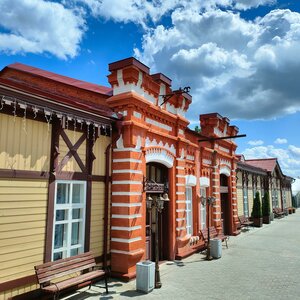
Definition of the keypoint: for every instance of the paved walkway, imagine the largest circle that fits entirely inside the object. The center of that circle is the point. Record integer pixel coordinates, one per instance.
(263, 263)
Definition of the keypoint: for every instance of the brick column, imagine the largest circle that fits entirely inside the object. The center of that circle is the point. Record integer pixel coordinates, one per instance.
(127, 211)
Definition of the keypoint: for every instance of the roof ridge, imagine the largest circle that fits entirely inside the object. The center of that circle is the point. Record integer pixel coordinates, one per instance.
(60, 78)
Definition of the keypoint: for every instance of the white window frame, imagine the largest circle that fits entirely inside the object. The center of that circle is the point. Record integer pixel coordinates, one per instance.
(245, 202)
(189, 209)
(202, 209)
(68, 207)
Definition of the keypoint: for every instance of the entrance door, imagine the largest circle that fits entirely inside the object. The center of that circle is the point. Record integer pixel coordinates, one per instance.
(225, 204)
(162, 232)
(157, 174)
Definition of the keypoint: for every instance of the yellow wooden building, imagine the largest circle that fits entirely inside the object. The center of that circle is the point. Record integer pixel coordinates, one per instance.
(55, 137)
(262, 175)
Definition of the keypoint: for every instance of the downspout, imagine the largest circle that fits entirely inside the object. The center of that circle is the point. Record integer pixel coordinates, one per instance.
(106, 205)
(106, 194)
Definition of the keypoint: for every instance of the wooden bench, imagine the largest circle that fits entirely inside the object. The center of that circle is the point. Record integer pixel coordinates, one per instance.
(245, 222)
(213, 234)
(278, 212)
(53, 277)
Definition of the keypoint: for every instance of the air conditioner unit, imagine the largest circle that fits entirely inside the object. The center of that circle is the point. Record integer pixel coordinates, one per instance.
(145, 271)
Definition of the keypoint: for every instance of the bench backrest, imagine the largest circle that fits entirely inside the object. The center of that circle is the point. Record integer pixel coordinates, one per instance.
(212, 232)
(243, 219)
(62, 267)
(277, 210)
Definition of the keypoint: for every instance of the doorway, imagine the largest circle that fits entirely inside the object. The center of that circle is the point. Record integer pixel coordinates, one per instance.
(225, 204)
(156, 182)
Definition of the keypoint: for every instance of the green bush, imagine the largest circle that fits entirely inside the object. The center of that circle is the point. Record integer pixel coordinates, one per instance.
(256, 210)
(266, 205)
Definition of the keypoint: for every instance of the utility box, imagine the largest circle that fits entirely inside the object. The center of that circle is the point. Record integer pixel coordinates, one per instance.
(216, 248)
(145, 272)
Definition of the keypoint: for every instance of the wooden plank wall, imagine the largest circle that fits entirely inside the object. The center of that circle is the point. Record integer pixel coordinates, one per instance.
(24, 147)
(99, 151)
(22, 227)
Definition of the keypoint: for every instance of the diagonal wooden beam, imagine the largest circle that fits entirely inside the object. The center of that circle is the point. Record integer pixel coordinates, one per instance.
(72, 152)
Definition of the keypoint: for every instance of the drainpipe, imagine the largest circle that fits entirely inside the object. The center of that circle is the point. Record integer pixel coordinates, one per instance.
(106, 205)
(106, 193)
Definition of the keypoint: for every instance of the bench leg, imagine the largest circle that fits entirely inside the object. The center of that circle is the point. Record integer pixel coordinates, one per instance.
(105, 278)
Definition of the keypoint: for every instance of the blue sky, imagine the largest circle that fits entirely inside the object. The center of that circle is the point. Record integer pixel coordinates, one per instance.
(241, 58)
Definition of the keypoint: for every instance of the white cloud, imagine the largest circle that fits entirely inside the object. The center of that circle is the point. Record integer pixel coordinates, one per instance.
(296, 186)
(280, 141)
(142, 12)
(288, 158)
(242, 69)
(38, 26)
(256, 142)
(295, 150)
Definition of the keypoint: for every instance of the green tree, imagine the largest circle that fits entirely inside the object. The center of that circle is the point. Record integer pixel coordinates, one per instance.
(256, 210)
(197, 129)
(266, 204)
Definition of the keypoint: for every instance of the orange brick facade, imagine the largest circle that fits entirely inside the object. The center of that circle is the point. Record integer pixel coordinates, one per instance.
(156, 133)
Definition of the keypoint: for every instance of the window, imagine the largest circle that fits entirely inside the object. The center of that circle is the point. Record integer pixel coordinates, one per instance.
(245, 202)
(189, 210)
(69, 219)
(202, 209)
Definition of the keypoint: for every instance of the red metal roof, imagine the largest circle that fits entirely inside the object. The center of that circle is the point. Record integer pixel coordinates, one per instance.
(63, 79)
(266, 163)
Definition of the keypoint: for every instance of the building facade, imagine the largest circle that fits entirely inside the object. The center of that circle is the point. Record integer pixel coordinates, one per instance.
(78, 161)
(155, 146)
(55, 134)
(261, 175)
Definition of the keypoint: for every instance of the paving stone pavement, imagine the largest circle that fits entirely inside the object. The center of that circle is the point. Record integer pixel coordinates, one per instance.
(262, 263)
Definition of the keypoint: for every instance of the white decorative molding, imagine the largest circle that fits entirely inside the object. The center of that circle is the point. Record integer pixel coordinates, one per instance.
(126, 193)
(124, 87)
(162, 91)
(171, 108)
(190, 157)
(153, 143)
(204, 182)
(190, 180)
(127, 241)
(225, 162)
(225, 170)
(224, 149)
(122, 228)
(158, 124)
(120, 142)
(124, 113)
(159, 155)
(182, 154)
(121, 204)
(116, 160)
(180, 131)
(138, 143)
(135, 216)
(127, 171)
(218, 132)
(126, 182)
(206, 161)
(137, 114)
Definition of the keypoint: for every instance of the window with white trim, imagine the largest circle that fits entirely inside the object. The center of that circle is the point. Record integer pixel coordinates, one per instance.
(245, 202)
(189, 210)
(69, 219)
(202, 209)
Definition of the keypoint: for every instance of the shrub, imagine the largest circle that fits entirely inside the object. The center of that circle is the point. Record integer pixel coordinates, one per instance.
(256, 210)
(266, 205)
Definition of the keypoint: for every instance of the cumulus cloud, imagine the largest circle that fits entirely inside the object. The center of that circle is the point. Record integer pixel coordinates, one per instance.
(256, 142)
(280, 141)
(37, 26)
(288, 158)
(243, 69)
(143, 12)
